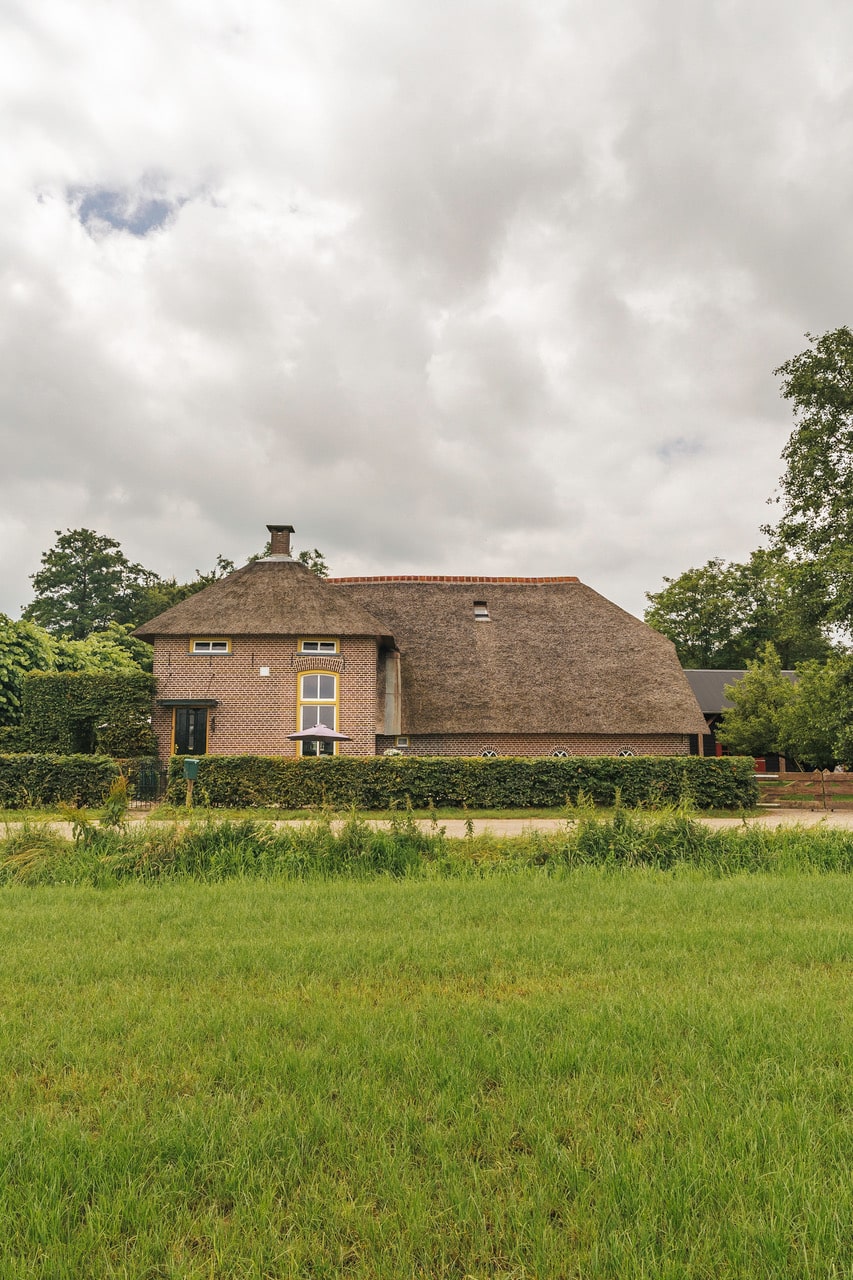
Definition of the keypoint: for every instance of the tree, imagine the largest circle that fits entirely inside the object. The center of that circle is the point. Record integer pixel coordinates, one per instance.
(752, 725)
(722, 614)
(112, 650)
(315, 561)
(161, 594)
(817, 488)
(23, 647)
(85, 583)
(814, 723)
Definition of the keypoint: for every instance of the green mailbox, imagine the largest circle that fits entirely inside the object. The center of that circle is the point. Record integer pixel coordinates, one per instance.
(190, 770)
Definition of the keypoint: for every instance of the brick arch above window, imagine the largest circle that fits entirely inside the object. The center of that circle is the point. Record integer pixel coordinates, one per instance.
(318, 662)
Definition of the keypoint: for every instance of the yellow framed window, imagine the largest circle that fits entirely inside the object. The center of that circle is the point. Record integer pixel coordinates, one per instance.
(318, 704)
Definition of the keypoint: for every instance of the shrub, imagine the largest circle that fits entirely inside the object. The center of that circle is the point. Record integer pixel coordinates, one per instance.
(379, 782)
(27, 781)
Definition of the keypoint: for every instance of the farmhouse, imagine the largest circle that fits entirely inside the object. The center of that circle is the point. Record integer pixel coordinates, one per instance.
(422, 665)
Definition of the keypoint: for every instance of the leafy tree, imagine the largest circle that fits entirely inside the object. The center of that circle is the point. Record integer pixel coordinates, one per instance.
(161, 594)
(106, 651)
(814, 723)
(315, 561)
(23, 647)
(85, 583)
(721, 614)
(817, 488)
(752, 726)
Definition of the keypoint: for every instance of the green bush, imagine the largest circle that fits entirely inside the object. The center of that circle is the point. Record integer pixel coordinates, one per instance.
(89, 711)
(28, 781)
(381, 782)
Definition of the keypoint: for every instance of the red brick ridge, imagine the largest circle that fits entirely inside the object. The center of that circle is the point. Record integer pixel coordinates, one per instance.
(431, 577)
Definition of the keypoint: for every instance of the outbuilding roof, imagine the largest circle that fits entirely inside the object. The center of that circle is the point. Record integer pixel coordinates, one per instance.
(709, 687)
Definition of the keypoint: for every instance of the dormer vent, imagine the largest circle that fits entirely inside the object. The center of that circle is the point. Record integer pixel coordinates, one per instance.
(280, 541)
(481, 611)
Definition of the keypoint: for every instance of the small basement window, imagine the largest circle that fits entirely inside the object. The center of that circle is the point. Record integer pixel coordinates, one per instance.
(402, 742)
(318, 646)
(488, 754)
(560, 754)
(481, 611)
(209, 645)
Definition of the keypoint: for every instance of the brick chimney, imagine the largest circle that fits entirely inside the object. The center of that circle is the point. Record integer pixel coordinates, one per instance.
(280, 541)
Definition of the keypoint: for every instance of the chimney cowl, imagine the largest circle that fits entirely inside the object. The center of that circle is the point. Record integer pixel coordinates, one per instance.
(279, 541)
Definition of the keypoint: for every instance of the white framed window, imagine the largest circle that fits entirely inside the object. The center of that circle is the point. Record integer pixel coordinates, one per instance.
(210, 644)
(402, 741)
(481, 611)
(318, 645)
(560, 754)
(488, 754)
(626, 751)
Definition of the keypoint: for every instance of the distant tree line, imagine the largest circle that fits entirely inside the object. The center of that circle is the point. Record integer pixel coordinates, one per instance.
(790, 605)
(87, 600)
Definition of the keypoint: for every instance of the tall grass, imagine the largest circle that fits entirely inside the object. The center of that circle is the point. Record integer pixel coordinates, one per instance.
(209, 850)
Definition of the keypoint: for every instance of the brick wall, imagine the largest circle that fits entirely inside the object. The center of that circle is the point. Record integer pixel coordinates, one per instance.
(540, 744)
(255, 713)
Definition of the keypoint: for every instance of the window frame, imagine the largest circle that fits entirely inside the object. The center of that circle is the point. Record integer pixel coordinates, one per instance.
(318, 640)
(210, 641)
(302, 702)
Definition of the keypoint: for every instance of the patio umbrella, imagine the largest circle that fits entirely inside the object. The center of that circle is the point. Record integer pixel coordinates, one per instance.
(319, 733)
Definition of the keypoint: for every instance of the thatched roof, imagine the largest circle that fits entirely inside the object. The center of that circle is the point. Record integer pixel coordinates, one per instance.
(555, 657)
(269, 597)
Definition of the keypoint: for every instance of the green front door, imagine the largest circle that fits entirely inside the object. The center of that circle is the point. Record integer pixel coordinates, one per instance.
(190, 731)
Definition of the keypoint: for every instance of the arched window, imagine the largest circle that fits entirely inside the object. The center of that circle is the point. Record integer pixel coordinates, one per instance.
(318, 704)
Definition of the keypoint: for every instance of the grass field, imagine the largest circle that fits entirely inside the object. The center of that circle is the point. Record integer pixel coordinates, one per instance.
(602, 1074)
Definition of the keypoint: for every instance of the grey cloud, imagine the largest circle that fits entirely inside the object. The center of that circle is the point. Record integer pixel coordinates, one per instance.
(457, 287)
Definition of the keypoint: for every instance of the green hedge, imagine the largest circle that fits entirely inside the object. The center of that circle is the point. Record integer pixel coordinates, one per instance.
(380, 782)
(28, 781)
(13, 738)
(88, 711)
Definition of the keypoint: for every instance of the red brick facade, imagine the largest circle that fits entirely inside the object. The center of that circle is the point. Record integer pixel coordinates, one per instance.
(538, 744)
(254, 713)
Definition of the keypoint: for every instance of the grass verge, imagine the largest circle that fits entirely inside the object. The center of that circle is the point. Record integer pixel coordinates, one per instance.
(212, 849)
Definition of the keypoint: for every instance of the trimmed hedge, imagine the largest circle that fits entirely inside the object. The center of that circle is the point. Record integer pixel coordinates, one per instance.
(13, 738)
(88, 711)
(380, 782)
(28, 781)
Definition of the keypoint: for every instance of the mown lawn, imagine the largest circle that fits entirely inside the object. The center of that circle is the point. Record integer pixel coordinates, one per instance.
(603, 1074)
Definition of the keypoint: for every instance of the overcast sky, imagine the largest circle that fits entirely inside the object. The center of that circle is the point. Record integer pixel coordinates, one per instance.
(452, 287)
